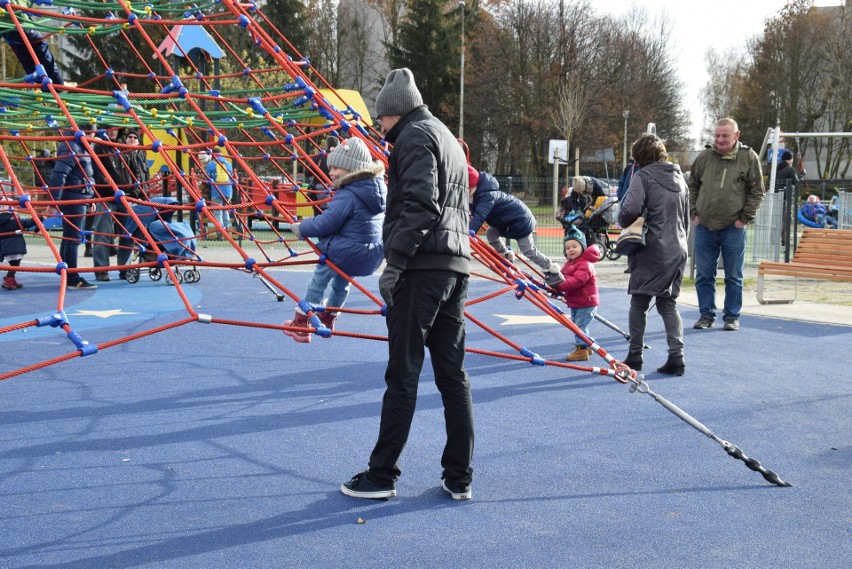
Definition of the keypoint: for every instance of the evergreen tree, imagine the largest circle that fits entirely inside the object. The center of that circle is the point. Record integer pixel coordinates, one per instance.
(429, 45)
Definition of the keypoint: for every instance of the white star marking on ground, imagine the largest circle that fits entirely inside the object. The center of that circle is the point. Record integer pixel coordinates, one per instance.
(103, 313)
(518, 319)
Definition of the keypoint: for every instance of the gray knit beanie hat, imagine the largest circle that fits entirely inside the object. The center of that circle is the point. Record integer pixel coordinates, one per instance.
(399, 95)
(352, 156)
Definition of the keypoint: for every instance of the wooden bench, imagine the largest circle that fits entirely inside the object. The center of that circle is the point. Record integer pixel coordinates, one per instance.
(823, 254)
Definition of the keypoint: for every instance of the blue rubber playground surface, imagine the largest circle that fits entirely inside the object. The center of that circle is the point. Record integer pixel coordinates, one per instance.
(212, 445)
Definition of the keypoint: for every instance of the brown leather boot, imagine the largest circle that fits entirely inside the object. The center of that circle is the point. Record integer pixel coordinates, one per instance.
(580, 354)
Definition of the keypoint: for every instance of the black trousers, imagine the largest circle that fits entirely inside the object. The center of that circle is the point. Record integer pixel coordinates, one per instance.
(427, 312)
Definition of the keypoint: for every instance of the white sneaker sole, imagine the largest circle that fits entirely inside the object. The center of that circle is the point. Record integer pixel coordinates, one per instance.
(458, 495)
(378, 495)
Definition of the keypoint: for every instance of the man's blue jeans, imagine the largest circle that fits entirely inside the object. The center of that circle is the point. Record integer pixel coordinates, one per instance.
(323, 274)
(709, 245)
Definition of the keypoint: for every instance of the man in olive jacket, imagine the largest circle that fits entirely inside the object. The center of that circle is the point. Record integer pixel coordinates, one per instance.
(725, 192)
(427, 249)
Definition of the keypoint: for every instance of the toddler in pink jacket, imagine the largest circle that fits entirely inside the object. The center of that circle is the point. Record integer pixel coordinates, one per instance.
(580, 288)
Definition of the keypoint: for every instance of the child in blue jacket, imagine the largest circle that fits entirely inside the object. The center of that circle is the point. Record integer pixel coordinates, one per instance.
(349, 231)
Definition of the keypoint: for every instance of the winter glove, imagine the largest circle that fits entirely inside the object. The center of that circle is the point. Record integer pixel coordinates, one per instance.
(390, 276)
(295, 229)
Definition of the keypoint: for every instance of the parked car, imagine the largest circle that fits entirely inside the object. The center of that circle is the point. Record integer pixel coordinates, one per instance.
(609, 185)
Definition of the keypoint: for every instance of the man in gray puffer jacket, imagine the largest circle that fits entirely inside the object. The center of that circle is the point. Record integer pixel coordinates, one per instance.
(424, 284)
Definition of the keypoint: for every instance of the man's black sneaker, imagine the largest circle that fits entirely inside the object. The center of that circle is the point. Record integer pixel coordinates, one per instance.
(361, 487)
(82, 284)
(458, 490)
(703, 322)
(732, 324)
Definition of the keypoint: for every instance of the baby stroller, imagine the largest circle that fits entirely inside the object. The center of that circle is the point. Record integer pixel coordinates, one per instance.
(595, 227)
(174, 238)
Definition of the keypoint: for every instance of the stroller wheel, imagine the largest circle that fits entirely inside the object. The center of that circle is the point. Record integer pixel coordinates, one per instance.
(178, 276)
(597, 242)
(192, 276)
(608, 247)
(155, 273)
(610, 251)
(132, 275)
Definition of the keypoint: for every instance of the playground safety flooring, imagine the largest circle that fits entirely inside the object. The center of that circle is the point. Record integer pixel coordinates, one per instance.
(224, 446)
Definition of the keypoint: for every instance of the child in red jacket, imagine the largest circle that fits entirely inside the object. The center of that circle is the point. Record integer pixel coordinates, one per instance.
(580, 288)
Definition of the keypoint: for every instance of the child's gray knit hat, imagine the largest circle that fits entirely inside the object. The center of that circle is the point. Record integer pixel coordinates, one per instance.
(352, 156)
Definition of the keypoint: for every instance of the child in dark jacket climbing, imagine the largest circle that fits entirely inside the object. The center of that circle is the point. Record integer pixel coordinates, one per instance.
(507, 218)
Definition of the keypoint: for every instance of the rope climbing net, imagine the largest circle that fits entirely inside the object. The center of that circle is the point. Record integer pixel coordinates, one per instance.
(269, 119)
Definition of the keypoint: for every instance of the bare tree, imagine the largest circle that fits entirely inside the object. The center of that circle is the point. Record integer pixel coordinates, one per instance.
(795, 77)
(836, 88)
(390, 13)
(322, 48)
(719, 95)
(362, 56)
(571, 102)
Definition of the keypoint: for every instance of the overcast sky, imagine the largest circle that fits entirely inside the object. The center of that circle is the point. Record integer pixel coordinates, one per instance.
(698, 25)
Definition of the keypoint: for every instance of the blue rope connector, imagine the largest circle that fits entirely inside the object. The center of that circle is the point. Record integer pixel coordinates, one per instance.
(86, 349)
(257, 105)
(121, 99)
(537, 360)
(162, 258)
(322, 331)
(250, 263)
(54, 320)
(522, 287)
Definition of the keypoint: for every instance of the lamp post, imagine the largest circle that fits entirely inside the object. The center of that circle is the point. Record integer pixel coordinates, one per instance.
(461, 76)
(625, 114)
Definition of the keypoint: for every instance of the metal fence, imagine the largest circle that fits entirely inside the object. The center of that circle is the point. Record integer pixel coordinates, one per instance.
(776, 225)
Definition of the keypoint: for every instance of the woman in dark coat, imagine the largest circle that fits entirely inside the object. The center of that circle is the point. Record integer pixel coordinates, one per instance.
(13, 247)
(657, 269)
